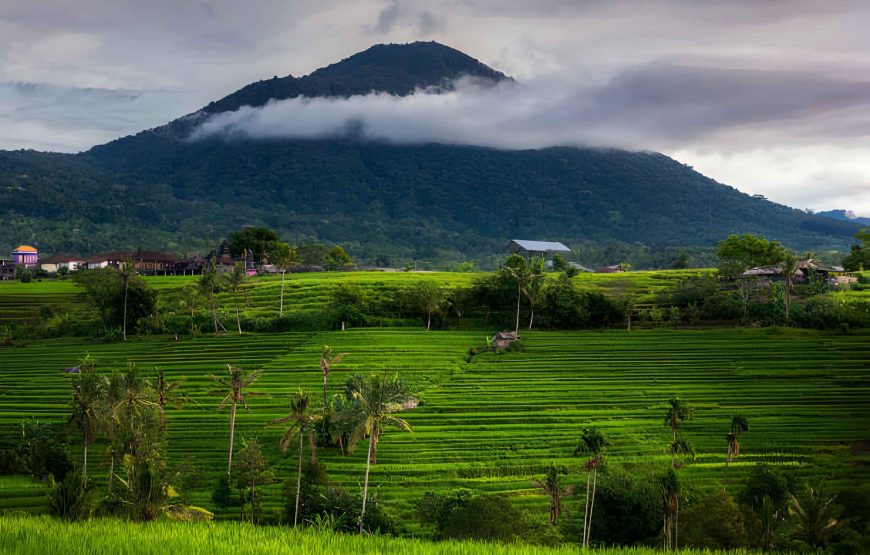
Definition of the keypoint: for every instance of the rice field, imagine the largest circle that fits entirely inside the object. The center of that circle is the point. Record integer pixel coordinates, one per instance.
(495, 422)
(28, 535)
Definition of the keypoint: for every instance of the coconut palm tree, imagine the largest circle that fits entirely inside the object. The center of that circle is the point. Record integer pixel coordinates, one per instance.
(88, 391)
(670, 485)
(551, 485)
(301, 420)
(678, 412)
(327, 359)
(815, 515)
(209, 285)
(739, 424)
(592, 442)
(234, 390)
(283, 256)
(379, 396)
(168, 393)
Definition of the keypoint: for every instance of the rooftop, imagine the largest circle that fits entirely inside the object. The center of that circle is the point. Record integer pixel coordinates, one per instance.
(539, 246)
(24, 248)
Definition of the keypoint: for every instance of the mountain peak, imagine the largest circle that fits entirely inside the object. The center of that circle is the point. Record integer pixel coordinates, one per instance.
(397, 69)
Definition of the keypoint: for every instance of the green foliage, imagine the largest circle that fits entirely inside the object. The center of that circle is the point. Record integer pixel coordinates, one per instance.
(767, 481)
(738, 253)
(628, 507)
(858, 258)
(70, 498)
(714, 521)
(104, 289)
(349, 305)
(337, 259)
(253, 240)
(486, 517)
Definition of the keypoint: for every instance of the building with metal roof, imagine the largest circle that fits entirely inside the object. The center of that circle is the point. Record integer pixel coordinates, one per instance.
(535, 248)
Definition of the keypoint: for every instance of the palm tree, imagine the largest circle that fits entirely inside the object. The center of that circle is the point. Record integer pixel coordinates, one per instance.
(551, 485)
(234, 389)
(88, 391)
(127, 272)
(168, 393)
(283, 256)
(739, 424)
(592, 442)
(670, 485)
(300, 421)
(379, 397)
(770, 518)
(209, 283)
(678, 412)
(816, 516)
(327, 359)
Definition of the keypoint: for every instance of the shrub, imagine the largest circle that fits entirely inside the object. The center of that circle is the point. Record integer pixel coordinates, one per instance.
(714, 521)
(69, 499)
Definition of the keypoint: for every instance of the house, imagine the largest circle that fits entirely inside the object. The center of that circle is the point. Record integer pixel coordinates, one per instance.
(26, 255)
(55, 262)
(503, 339)
(144, 262)
(774, 273)
(529, 249)
(7, 269)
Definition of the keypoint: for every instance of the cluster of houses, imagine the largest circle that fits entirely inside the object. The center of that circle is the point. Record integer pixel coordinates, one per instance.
(149, 263)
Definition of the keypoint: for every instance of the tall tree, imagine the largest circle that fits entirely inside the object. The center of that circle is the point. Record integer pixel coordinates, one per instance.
(88, 390)
(534, 286)
(327, 359)
(235, 281)
(678, 412)
(234, 386)
(254, 240)
(737, 253)
(739, 424)
(284, 257)
(168, 393)
(551, 485)
(592, 443)
(209, 285)
(815, 516)
(670, 485)
(300, 420)
(379, 396)
(127, 271)
(253, 469)
(430, 298)
(518, 269)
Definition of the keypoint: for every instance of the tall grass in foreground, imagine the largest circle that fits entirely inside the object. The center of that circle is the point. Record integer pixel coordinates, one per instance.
(29, 535)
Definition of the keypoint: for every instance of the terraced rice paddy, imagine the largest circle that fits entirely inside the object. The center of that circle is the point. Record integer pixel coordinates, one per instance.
(308, 292)
(495, 422)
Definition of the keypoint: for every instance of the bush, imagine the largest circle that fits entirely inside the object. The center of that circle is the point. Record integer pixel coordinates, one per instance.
(829, 312)
(486, 517)
(628, 507)
(714, 522)
(69, 499)
(26, 276)
(766, 480)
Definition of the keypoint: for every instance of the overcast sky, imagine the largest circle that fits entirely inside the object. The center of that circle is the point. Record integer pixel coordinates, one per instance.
(770, 96)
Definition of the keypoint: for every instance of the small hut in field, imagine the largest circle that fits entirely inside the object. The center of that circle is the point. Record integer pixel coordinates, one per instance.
(503, 339)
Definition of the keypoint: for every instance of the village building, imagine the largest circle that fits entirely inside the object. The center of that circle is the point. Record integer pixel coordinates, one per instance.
(55, 262)
(7, 269)
(144, 262)
(803, 270)
(612, 269)
(27, 256)
(535, 249)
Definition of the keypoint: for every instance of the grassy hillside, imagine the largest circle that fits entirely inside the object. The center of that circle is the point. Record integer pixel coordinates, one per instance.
(28, 536)
(495, 422)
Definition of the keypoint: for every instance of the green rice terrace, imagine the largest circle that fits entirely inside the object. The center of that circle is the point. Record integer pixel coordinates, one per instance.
(489, 422)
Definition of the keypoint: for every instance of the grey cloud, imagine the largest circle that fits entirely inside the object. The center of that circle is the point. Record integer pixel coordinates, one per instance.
(398, 14)
(656, 106)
